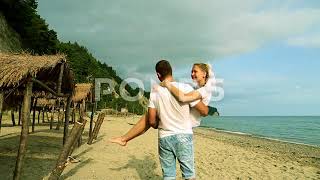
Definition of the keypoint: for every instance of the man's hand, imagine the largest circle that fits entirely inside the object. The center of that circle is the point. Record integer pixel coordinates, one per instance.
(202, 109)
(165, 83)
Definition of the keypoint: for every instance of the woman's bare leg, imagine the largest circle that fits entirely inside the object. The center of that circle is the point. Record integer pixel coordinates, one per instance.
(139, 128)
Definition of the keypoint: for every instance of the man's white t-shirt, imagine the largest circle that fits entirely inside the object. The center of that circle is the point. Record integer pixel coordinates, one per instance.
(174, 116)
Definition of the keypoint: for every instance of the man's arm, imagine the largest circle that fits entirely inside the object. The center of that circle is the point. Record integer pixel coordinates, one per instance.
(153, 121)
(202, 108)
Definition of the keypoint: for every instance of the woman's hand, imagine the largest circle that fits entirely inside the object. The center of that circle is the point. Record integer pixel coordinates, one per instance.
(165, 84)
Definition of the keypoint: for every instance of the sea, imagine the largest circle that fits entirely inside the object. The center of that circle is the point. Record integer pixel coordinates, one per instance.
(294, 129)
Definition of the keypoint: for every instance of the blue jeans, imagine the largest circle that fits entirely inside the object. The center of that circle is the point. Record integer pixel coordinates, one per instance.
(179, 147)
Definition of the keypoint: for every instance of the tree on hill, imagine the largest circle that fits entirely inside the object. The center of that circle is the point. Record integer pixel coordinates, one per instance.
(34, 32)
(85, 65)
(37, 38)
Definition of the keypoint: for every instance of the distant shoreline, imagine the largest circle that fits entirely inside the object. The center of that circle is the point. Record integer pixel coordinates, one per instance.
(256, 136)
(302, 153)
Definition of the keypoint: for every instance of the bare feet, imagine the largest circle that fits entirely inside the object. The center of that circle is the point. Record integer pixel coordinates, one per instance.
(118, 140)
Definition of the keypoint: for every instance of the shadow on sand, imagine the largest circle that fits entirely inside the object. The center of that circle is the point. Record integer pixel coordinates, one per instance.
(43, 149)
(76, 168)
(145, 167)
(42, 153)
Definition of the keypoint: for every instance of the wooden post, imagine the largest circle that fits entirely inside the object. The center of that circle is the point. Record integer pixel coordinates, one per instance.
(61, 162)
(52, 117)
(81, 118)
(78, 135)
(34, 113)
(20, 109)
(1, 107)
(60, 115)
(66, 121)
(73, 113)
(77, 143)
(39, 113)
(43, 115)
(24, 130)
(58, 121)
(96, 128)
(31, 108)
(12, 118)
(95, 133)
(60, 79)
(59, 92)
(91, 119)
(47, 115)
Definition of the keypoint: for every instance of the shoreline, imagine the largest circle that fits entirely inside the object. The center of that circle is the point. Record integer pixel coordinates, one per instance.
(304, 154)
(256, 136)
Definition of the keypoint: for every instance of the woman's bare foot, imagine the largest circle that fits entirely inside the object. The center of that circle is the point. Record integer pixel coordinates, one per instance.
(118, 140)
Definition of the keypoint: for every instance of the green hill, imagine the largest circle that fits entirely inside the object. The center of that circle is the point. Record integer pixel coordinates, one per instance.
(24, 29)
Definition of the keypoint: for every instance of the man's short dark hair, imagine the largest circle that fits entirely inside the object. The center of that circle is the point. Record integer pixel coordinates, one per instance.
(163, 67)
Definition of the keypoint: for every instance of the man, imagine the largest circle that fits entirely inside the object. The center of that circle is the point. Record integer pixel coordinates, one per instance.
(175, 125)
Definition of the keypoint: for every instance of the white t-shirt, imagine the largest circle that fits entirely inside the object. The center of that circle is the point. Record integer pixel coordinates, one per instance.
(206, 93)
(174, 116)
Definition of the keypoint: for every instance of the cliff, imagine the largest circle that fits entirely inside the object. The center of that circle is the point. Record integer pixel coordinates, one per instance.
(9, 39)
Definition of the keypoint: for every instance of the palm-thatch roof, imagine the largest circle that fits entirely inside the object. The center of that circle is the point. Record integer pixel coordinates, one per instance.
(15, 68)
(82, 92)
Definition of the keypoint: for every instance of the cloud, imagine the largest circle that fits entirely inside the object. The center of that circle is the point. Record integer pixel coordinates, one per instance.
(138, 33)
(311, 41)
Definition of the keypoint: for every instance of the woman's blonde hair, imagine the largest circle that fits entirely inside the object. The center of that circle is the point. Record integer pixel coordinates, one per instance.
(204, 67)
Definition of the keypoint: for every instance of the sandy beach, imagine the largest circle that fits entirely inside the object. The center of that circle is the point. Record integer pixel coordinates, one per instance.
(218, 155)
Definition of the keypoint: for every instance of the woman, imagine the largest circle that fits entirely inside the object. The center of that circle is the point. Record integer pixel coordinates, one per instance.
(202, 74)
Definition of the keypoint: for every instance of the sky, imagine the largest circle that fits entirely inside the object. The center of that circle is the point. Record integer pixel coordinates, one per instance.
(265, 52)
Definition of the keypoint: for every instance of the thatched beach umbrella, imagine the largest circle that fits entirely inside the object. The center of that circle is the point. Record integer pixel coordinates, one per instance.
(23, 76)
(83, 92)
(16, 68)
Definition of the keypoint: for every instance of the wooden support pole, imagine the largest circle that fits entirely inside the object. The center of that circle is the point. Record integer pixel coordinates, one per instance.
(12, 118)
(48, 89)
(39, 113)
(91, 119)
(1, 107)
(96, 128)
(62, 160)
(42, 115)
(24, 130)
(58, 121)
(47, 116)
(81, 118)
(60, 114)
(95, 133)
(34, 113)
(52, 117)
(73, 119)
(60, 78)
(20, 109)
(67, 117)
(77, 143)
